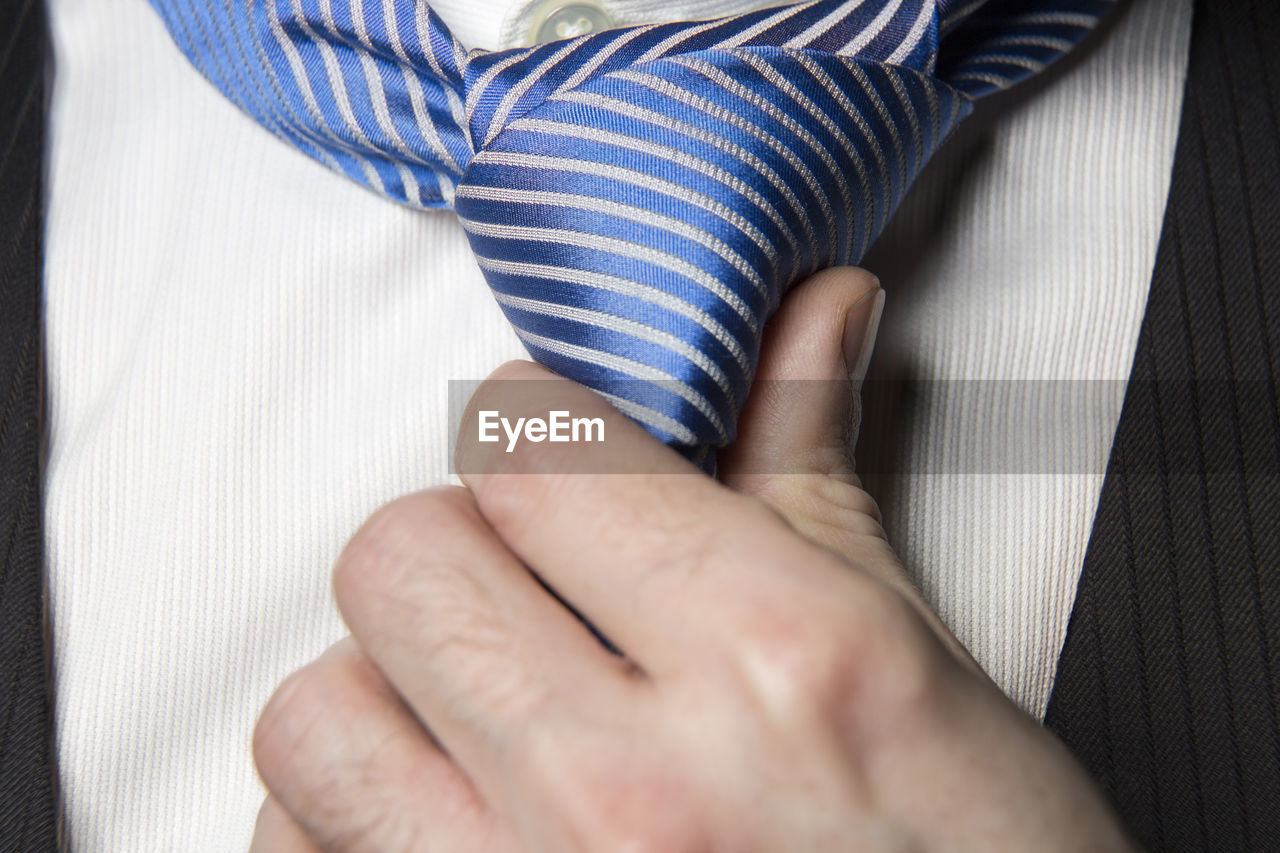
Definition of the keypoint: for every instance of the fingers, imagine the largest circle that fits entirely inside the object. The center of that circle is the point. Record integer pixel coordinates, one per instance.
(277, 832)
(338, 749)
(646, 556)
(471, 641)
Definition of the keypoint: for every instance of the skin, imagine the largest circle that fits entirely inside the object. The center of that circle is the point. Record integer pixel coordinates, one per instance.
(780, 684)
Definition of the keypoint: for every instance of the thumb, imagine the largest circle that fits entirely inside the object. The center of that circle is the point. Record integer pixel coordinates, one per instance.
(800, 422)
(797, 430)
(796, 435)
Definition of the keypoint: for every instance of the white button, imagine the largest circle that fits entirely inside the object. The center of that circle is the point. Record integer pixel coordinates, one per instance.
(562, 20)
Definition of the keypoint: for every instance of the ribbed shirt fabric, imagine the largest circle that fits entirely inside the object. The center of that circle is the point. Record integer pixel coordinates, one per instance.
(248, 354)
(1016, 277)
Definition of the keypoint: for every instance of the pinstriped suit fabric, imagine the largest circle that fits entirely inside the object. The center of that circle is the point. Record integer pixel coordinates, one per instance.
(27, 807)
(1169, 683)
(639, 199)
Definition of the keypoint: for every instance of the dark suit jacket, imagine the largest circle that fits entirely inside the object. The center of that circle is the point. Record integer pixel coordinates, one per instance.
(1168, 687)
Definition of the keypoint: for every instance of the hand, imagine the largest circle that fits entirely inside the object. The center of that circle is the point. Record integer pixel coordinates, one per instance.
(780, 685)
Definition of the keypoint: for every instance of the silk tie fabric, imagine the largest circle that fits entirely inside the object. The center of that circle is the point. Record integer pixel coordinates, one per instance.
(638, 199)
(27, 800)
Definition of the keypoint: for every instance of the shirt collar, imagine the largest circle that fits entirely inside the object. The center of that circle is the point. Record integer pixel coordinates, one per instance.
(500, 24)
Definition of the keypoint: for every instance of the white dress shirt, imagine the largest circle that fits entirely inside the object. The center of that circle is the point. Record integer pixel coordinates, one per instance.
(248, 354)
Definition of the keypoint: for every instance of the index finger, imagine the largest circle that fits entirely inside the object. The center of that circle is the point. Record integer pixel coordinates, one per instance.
(650, 550)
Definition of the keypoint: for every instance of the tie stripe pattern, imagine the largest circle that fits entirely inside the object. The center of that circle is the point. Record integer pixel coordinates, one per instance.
(757, 199)
(638, 199)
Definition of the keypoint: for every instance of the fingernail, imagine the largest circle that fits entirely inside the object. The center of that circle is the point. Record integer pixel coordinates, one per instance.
(860, 333)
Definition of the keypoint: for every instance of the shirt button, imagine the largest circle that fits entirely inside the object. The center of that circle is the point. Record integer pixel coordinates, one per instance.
(556, 21)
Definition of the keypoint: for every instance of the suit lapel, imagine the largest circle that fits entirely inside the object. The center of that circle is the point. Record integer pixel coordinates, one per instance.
(27, 809)
(1169, 679)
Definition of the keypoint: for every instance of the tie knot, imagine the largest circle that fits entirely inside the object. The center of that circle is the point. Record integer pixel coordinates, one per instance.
(639, 199)
(639, 228)
(502, 86)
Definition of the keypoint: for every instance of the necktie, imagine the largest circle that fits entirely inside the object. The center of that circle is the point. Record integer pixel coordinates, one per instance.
(27, 797)
(638, 199)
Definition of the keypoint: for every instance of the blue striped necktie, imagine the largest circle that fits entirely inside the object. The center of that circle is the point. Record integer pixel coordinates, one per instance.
(638, 199)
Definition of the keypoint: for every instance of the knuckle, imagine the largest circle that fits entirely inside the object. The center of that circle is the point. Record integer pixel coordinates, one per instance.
(527, 493)
(295, 718)
(400, 535)
(307, 756)
(510, 499)
(489, 678)
(809, 653)
(356, 828)
(521, 393)
(797, 666)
